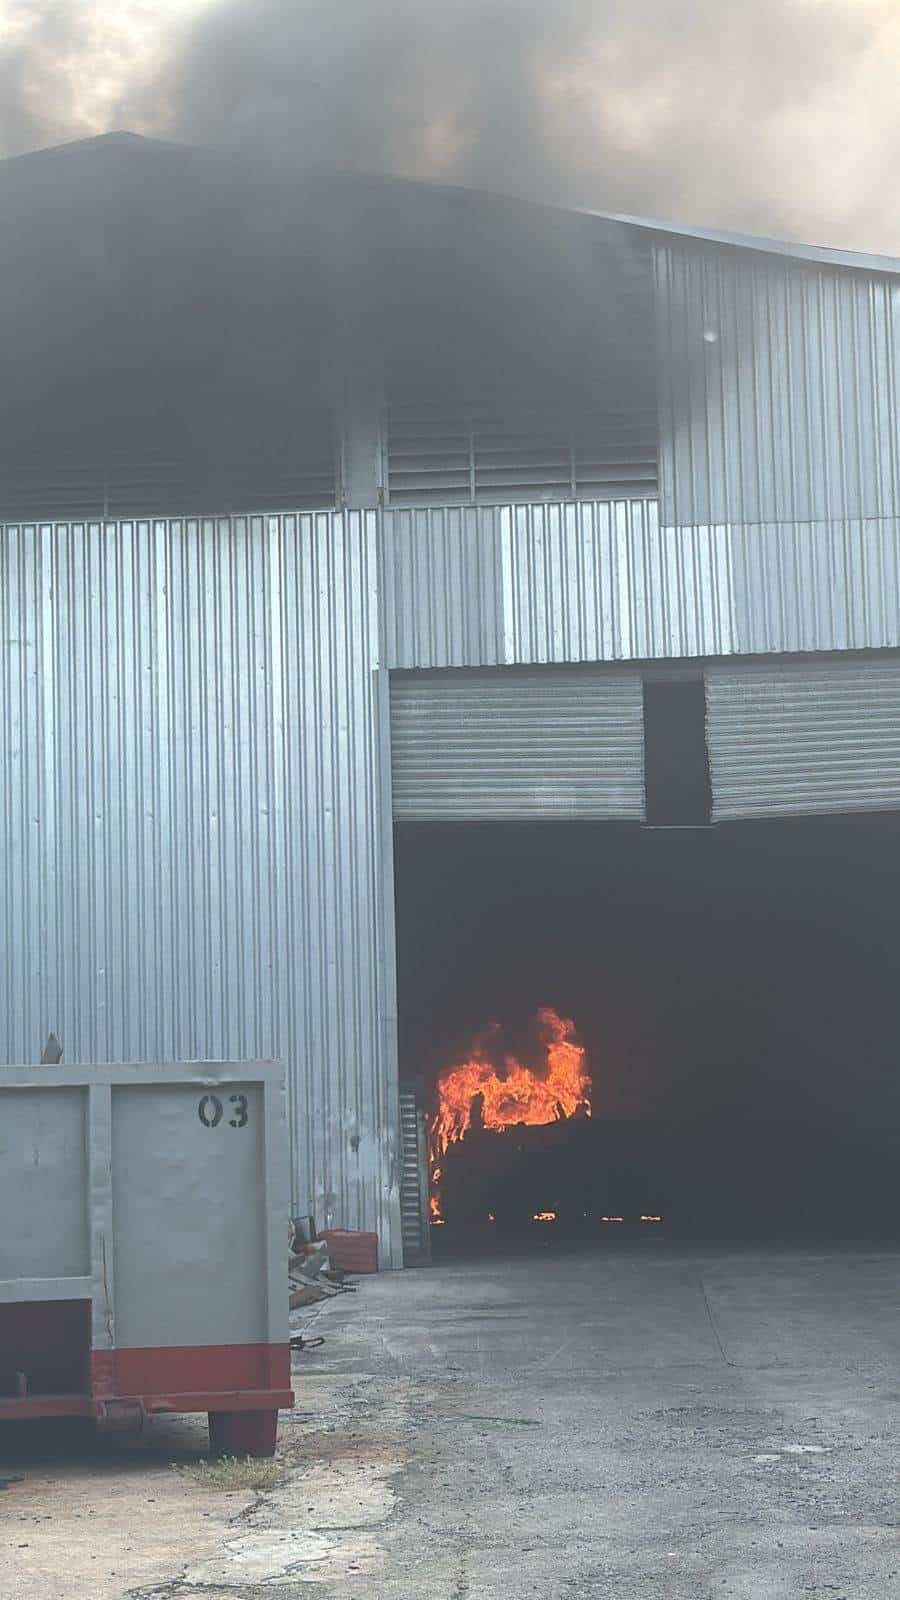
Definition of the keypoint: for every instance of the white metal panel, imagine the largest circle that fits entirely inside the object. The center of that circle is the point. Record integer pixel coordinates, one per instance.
(779, 389)
(525, 743)
(191, 758)
(799, 738)
(188, 1191)
(817, 586)
(439, 587)
(43, 1182)
(589, 581)
(504, 585)
(165, 1188)
(599, 582)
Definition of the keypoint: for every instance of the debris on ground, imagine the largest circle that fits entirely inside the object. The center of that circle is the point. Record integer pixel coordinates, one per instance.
(302, 1231)
(303, 1294)
(298, 1341)
(313, 1258)
(312, 1274)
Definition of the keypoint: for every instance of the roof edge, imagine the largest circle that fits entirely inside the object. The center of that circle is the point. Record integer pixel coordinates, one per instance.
(861, 260)
(823, 255)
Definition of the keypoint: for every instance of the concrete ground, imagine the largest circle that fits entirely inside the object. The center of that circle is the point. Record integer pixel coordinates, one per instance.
(662, 1423)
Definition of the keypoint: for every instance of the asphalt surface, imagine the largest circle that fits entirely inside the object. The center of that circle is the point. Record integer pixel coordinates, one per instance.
(652, 1422)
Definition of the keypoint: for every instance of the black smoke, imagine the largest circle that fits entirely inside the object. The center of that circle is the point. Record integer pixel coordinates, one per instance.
(780, 116)
(777, 116)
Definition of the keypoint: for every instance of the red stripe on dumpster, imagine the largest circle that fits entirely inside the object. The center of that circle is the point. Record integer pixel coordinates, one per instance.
(193, 1369)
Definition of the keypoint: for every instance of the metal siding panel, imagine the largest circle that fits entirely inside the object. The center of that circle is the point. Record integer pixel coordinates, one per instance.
(205, 1198)
(43, 1183)
(567, 582)
(778, 390)
(438, 581)
(816, 586)
(802, 738)
(112, 1159)
(21, 785)
(564, 742)
(190, 796)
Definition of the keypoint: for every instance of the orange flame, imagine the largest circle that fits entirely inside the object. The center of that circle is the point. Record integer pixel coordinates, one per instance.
(519, 1096)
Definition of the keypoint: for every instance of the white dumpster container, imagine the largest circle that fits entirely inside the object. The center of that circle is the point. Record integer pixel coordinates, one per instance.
(143, 1246)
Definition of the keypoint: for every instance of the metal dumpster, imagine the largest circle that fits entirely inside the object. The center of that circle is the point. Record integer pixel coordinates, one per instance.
(143, 1246)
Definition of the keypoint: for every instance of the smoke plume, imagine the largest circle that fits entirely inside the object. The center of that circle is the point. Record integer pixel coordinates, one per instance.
(781, 116)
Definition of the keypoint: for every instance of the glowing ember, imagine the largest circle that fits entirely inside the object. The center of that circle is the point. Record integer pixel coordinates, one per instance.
(651, 1219)
(544, 1216)
(512, 1096)
(612, 1219)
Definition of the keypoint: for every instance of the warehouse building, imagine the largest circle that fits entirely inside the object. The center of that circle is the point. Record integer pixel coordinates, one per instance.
(421, 609)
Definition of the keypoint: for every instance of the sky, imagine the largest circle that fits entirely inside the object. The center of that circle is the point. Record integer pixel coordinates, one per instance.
(767, 116)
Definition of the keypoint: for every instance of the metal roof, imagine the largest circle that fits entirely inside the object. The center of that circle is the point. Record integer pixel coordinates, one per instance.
(820, 254)
(824, 254)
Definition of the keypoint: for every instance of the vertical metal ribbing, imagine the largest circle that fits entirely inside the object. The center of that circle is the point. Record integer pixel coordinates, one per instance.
(190, 810)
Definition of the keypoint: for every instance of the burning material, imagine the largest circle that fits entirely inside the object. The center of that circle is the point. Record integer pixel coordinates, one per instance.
(544, 1216)
(512, 1094)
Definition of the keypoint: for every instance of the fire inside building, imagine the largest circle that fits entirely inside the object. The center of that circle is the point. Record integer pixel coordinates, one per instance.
(452, 646)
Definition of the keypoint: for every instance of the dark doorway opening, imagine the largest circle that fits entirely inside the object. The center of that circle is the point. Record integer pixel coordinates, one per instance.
(734, 990)
(676, 764)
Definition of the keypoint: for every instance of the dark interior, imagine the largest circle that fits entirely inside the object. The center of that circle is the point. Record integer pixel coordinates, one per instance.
(736, 989)
(45, 1348)
(676, 765)
(177, 330)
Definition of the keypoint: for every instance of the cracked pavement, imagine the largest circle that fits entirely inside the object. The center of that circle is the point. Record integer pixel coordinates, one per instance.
(676, 1424)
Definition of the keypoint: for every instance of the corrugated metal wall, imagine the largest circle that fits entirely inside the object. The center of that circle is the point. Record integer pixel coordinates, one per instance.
(195, 846)
(441, 587)
(190, 795)
(594, 581)
(801, 738)
(604, 582)
(779, 389)
(819, 586)
(504, 585)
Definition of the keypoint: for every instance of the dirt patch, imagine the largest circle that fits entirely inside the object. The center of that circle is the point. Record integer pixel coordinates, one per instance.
(158, 1521)
(102, 1520)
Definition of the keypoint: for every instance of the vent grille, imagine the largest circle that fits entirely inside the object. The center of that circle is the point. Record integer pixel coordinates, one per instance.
(147, 476)
(413, 1181)
(468, 457)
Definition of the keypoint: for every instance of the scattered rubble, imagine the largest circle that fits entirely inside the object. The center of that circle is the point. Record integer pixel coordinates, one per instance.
(311, 1275)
